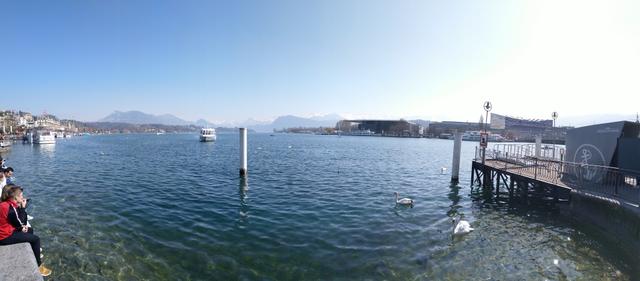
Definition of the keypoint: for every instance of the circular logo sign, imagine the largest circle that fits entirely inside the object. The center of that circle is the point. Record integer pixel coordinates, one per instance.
(588, 154)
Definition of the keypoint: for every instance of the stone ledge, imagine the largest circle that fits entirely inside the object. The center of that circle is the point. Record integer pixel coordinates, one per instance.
(18, 263)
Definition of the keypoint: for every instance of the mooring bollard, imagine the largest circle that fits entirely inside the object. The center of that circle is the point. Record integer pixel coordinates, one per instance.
(243, 151)
(455, 168)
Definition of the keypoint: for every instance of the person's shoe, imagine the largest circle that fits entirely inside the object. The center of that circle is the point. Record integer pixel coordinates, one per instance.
(44, 271)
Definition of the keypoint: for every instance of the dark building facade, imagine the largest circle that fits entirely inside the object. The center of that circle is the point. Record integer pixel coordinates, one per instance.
(438, 129)
(614, 144)
(393, 128)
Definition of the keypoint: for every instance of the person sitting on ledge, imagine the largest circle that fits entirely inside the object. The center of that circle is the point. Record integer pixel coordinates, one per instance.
(3, 179)
(11, 235)
(8, 175)
(23, 217)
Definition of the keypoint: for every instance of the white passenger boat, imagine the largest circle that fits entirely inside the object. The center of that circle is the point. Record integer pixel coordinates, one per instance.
(44, 137)
(475, 136)
(208, 134)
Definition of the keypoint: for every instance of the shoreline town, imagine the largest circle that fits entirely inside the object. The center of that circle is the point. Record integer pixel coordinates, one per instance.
(16, 125)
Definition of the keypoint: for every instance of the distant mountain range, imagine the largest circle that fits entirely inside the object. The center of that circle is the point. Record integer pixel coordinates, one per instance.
(139, 118)
(288, 121)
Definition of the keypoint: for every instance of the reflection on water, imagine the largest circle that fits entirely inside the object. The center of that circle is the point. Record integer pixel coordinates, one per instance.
(243, 189)
(47, 149)
(454, 196)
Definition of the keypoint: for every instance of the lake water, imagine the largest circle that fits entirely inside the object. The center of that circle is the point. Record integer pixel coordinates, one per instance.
(167, 207)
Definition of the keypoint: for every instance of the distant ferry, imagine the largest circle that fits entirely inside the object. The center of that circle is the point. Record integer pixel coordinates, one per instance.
(44, 137)
(475, 136)
(208, 134)
(361, 133)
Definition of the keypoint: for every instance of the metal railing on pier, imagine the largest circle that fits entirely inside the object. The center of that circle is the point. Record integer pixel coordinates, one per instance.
(610, 182)
(547, 151)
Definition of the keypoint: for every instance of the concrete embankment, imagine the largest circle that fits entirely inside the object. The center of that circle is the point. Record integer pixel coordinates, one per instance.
(619, 223)
(17, 263)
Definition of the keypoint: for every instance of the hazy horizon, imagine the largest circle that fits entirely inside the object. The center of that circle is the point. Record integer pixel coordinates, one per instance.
(233, 61)
(575, 121)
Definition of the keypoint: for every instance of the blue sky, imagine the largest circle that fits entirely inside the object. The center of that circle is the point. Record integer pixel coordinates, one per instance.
(233, 60)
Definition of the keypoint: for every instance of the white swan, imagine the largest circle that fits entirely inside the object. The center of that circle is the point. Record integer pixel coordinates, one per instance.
(403, 201)
(461, 227)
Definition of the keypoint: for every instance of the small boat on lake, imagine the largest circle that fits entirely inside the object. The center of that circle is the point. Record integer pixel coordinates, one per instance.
(207, 134)
(5, 143)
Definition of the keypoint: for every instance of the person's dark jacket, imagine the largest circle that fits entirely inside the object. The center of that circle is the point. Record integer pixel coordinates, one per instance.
(13, 220)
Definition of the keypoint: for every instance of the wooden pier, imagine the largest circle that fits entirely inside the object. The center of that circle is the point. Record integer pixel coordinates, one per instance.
(504, 178)
(544, 179)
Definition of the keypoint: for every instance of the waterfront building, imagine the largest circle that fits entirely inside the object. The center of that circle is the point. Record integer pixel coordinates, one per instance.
(445, 129)
(391, 128)
(22, 121)
(525, 129)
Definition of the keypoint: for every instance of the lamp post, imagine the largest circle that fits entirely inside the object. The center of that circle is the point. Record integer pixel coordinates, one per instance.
(487, 107)
(554, 115)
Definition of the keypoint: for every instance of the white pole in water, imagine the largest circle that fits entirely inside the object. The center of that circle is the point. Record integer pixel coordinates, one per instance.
(538, 145)
(243, 151)
(457, 144)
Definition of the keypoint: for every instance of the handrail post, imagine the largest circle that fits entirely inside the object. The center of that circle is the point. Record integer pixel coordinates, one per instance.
(506, 159)
(535, 167)
(616, 183)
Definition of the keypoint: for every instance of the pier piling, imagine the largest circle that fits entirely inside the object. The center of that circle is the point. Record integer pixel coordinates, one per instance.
(243, 151)
(455, 169)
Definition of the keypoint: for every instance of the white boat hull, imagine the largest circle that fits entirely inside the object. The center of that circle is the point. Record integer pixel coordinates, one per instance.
(44, 140)
(207, 138)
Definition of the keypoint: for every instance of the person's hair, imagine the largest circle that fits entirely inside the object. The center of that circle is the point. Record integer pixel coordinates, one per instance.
(8, 169)
(10, 191)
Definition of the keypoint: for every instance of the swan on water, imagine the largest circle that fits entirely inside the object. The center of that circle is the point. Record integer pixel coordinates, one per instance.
(461, 227)
(403, 201)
